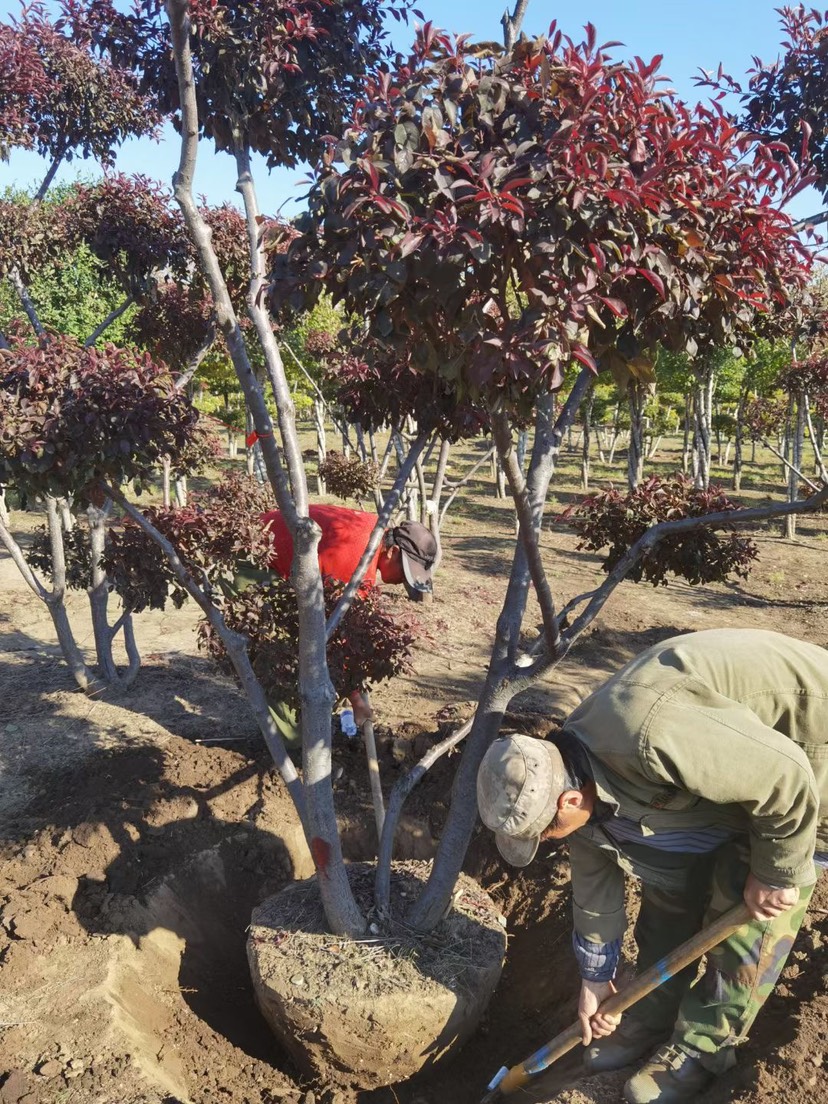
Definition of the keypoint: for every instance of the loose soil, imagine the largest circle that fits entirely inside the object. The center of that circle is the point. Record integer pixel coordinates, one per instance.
(138, 836)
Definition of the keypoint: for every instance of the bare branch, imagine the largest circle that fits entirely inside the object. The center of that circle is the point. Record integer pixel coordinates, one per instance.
(512, 23)
(113, 316)
(16, 553)
(256, 308)
(197, 358)
(814, 220)
(16, 281)
(40, 195)
(202, 239)
(456, 487)
(528, 528)
(403, 787)
(236, 646)
(722, 519)
(340, 426)
(823, 474)
(791, 467)
(344, 603)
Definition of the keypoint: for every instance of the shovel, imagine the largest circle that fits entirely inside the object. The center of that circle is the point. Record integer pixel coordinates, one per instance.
(506, 1081)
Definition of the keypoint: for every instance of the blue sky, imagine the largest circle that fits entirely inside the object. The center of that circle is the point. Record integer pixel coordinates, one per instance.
(690, 35)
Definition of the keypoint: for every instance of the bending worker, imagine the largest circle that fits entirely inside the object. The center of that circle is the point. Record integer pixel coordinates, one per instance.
(407, 552)
(701, 768)
(406, 555)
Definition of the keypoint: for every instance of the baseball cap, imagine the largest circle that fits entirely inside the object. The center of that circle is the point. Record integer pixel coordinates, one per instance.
(418, 551)
(518, 786)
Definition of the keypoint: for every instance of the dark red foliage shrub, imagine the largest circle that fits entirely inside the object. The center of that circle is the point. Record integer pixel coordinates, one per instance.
(204, 447)
(615, 521)
(229, 231)
(283, 72)
(173, 323)
(372, 644)
(70, 416)
(22, 80)
(213, 535)
(378, 387)
(57, 96)
(785, 100)
(76, 551)
(496, 218)
(809, 375)
(348, 476)
(764, 417)
(32, 235)
(130, 223)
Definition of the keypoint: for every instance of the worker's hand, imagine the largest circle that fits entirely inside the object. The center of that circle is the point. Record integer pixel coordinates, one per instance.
(361, 705)
(765, 902)
(594, 1024)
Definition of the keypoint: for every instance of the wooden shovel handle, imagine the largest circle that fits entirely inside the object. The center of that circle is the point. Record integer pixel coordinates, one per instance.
(645, 983)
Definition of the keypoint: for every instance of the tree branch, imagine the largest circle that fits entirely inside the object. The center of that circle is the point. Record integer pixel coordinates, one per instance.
(456, 487)
(340, 426)
(528, 529)
(16, 553)
(722, 519)
(196, 359)
(201, 236)
(285, 411)
(814, 220)
(113, 316)
(354, 583)
(236, 646)
(403, 787)
(16, 281)
(49, 177)
(512, 23)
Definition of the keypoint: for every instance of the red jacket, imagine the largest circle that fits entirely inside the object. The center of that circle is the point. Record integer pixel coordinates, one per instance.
(345, 534)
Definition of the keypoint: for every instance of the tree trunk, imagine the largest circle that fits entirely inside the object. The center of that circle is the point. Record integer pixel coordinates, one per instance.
(616, 419)
(703, 412)
(437, 487)
(56, 601)
(321, 442)
(688, 418)
(165, 482)
(589, 402)
(99, 601)
(636, 398)
(738, 459)
(498, 690)
(797, 452)
(180, 486)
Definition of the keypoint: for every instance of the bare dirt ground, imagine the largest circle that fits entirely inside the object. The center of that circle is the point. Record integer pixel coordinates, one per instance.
(138, 835)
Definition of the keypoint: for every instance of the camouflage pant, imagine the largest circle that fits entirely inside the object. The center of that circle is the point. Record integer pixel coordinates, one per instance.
(712, 1010)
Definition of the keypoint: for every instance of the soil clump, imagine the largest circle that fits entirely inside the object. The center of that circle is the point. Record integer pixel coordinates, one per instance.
(374, 1011)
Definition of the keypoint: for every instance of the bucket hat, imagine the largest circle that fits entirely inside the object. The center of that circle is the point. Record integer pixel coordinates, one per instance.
(518, 786)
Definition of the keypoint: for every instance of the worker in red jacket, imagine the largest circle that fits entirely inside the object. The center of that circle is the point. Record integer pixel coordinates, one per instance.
(406, 554)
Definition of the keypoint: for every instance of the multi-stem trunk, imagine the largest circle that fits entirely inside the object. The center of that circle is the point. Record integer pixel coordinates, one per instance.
(105, 634)
(286, 472)
(502, 674)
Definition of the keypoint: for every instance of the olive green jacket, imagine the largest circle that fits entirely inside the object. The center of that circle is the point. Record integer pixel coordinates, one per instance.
(728, 728)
